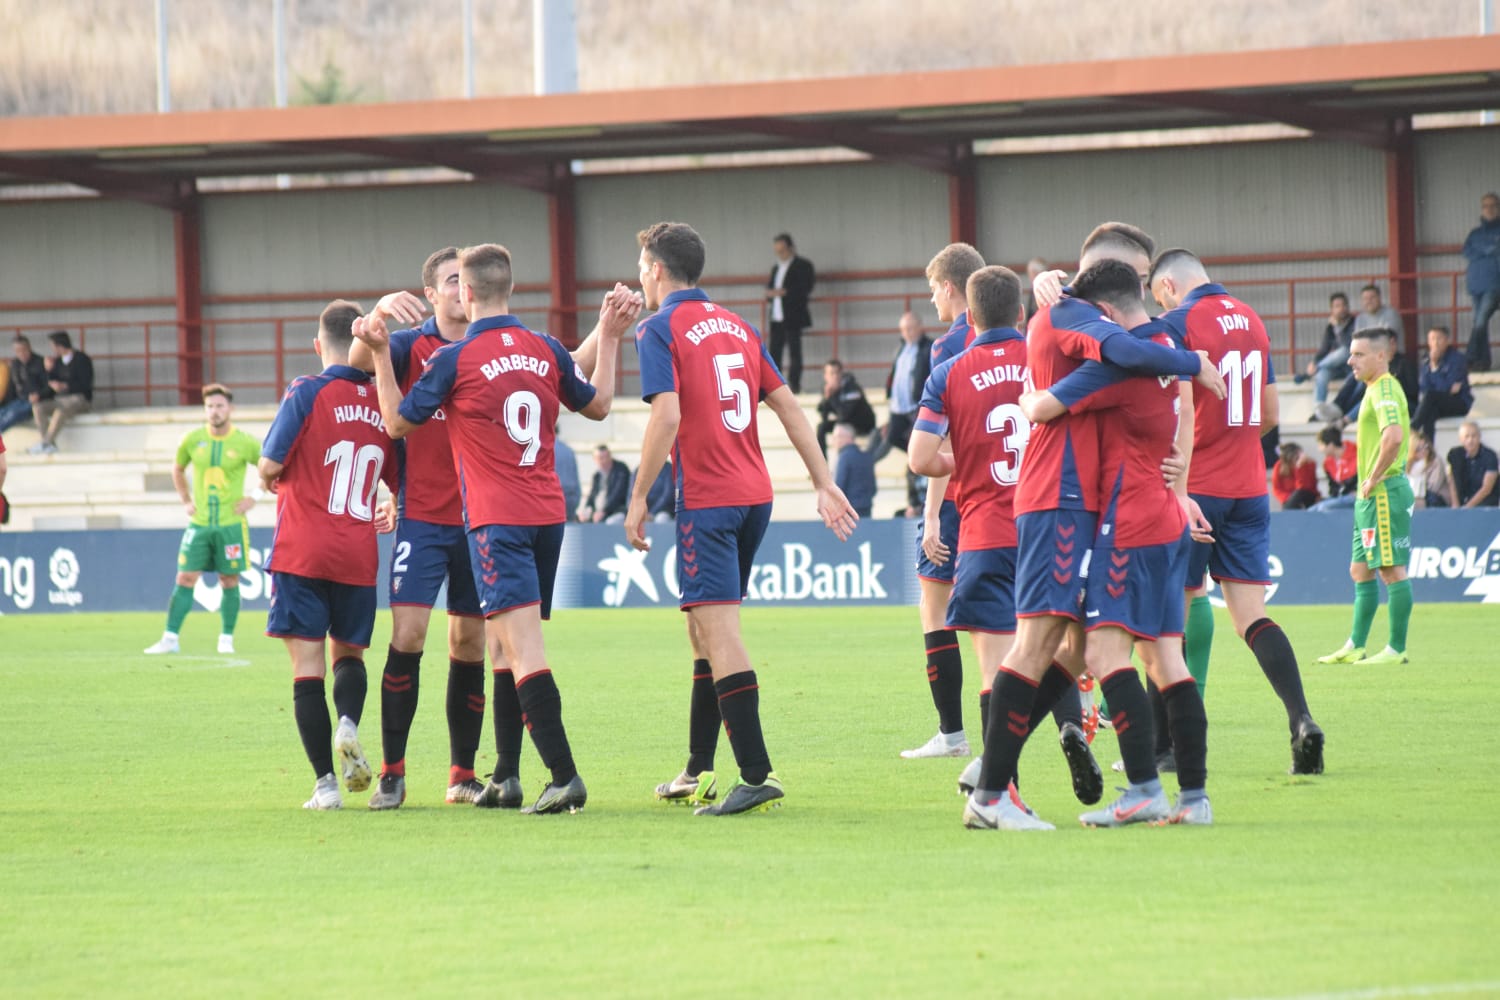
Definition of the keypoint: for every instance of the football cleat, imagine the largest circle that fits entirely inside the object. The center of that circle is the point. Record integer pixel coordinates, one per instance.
(390, 792)
(969, 779)
(499, 794)
(166, 644)
(226, 644)
(745, 797)
(1003, 812)
(690, 790)
(357, 773)
(1196, 812)
(1088, 781)
(1307, 747)
(465, 791)
(941, 745)
(567, 798)
(1347, 653)
(1386, 655)
(1134, 806)
(325, 794)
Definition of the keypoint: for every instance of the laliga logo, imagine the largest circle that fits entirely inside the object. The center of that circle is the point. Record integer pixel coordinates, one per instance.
(63, 570)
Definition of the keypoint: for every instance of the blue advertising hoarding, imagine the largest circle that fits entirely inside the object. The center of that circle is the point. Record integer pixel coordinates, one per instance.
(1455, 557)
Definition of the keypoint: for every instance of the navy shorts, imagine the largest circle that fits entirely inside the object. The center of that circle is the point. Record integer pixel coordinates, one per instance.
(425, 554)
(716, 547)
(303, 607)
(984, 591)
(515, 566)
(1052, 561)
(1241, 549)
(948, 533)
(1136, 589)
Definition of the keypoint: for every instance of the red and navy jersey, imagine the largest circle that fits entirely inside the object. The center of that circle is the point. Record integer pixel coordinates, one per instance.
(501, 387)
(1227, 458)
(429, 482)
(720, 370)
(950, 345)
(1138, 424)
(1060, 470)
(976, 395)
(334, 449)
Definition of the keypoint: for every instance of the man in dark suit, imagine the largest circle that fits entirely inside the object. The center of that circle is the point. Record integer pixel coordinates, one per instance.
(787, 290)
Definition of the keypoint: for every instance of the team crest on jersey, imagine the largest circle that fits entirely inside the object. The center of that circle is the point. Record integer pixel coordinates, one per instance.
(1367, 537)
(361, 390)
(231, 552)
(507, 340)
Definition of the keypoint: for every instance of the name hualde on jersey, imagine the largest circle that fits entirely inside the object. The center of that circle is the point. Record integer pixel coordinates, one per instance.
(347, 414)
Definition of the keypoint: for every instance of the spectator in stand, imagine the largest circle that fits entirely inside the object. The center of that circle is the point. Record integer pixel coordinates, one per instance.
(1444, 383)
(1430, 484)
(566, 464)
(1474, 469)
(903, 388)
(28, 381)
(1375, 313)
(1482, 251)
(661, 498)
(788, 289)
(70, 374)
(1034, 267)
(843, 402)
(1340, 465)
(1294, 478)
(1332, 359)
(854, 471)
(609, 493)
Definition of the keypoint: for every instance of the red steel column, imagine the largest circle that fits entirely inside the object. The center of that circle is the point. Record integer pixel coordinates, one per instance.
(1401, 227)
(963, 204)
(186, 229)
(562, 319)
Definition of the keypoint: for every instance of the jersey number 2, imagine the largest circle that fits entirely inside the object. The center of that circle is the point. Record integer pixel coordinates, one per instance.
(733, 389)
(355, 472)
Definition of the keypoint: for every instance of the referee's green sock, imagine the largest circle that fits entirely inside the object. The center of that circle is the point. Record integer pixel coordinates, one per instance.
(178, 608)
(1366, 600)
(229, 607)
(1398, 606)
(1198, 641)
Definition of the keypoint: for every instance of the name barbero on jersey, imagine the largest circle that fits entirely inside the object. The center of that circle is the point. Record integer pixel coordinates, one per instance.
(506, 363)
(352, 414)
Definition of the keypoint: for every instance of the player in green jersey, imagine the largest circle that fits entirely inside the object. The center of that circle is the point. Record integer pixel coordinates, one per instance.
(217, 538)
(1383, 504)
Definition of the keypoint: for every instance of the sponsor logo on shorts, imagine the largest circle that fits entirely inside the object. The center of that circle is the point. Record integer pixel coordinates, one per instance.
(232, 551)
(1367, 537)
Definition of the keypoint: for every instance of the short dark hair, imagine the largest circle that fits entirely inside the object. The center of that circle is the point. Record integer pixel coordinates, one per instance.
(600, 447)
(784, 238)
(1168, 260)
(1375, 333)
(336, 324)
(1109, 282)
(435, 260)
(217, 389)
(1121, 237)
(1370, 288)
(486, 269)
(994, 296)
(834, 363)
(61, 339)
(955, 263)
(1440, 328)
(1338, 295)
(1331, 435)
(677, 247)
(21, 338)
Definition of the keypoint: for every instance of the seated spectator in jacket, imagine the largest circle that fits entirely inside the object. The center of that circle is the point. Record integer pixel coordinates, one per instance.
(566, 465)
(1428, 474)
(1294, 478)
(1340, 465)
(843, 402)
(1332, 359)
(70, 374)
(661, 498)
(1473, 469)
(853, 470)
(609, 492)
(1374, 313)
(28, 384)
(1444, 383)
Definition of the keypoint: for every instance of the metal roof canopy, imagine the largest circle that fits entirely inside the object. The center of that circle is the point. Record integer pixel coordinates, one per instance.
(1355, 93)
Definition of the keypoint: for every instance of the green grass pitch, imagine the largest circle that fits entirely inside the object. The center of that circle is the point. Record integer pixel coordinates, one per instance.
(151, 840)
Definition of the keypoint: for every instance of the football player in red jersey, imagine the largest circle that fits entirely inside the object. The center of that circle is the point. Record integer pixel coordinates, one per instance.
(701, 360)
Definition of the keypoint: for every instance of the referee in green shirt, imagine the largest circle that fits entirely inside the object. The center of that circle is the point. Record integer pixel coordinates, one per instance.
(217, 538)
(1383, 505)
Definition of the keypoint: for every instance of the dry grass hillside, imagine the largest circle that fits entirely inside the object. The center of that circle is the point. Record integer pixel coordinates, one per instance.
(99, 56)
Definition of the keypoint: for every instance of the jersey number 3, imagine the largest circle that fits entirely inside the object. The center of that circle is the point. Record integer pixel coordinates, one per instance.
(1014, 429)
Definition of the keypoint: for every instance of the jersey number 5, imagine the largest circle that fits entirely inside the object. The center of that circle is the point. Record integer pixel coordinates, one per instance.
(355, 473)
(733, 389)
(1014, 429)
(1242, 377)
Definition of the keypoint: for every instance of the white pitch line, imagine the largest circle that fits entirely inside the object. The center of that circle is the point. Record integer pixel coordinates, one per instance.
(1391, 992)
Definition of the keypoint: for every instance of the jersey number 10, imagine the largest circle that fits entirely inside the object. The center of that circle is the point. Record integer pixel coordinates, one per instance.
(355, 473)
